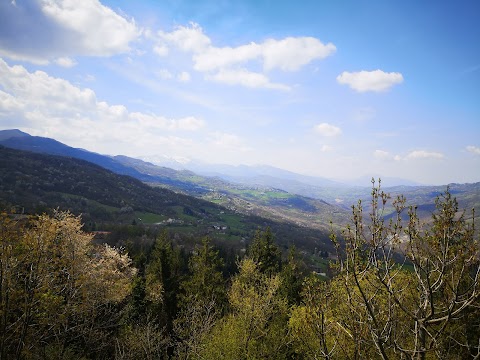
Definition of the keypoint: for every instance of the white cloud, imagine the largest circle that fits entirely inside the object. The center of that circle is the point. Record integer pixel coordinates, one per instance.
(421, 154)
(100, 30)
(364, 81)
(326, 129)
(65, 62)
(326, 148)
(245, 78)
(186, 38)
(226, 64)
(69, 113)
(160, 50)
(473, 149)
(63, 28)
(288, 54)
(190, 123)
(213, 58)
(291, 53)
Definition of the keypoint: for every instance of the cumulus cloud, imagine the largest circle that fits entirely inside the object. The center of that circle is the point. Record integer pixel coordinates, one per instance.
(326, 129)
(62, 28)
(473, 149)
(421, 154)
(291, 53)
(66, 62)
(376, 81)
(225, 63)
(245, 78)
(385, 155)
(186, 38)
(160, 50)
(214, 58)
(66, 111)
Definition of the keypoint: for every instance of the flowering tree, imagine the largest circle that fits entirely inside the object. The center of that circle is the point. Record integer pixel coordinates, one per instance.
(57, 288)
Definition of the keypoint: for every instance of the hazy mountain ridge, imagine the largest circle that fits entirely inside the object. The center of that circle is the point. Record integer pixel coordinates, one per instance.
(53, 147)
(34, 182)
(261, 190)
(251, 200)
(258, 200)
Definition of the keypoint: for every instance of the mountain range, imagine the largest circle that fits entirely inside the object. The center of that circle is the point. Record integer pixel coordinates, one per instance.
(265, 191)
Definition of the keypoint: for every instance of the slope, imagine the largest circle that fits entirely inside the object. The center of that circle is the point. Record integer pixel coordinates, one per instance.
(32, 183)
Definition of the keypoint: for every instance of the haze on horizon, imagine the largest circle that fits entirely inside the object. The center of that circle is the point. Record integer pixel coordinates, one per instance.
(332, 89)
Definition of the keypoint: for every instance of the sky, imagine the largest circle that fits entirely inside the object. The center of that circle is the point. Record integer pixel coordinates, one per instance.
(337, 89)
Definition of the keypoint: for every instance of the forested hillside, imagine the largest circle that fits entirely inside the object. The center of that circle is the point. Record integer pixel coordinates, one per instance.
(34, 183)
(62, 296)
(264, 201)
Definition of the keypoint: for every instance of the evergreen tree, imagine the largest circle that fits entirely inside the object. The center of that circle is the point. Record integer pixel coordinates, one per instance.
(292, 275)
(205, 282)
(164, 274)
(202, 300)
(265, 253)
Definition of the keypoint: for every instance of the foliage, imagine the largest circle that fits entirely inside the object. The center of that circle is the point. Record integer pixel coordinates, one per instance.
(201, 302)
(164, 274)
(264, 252)
(416, 313)
(397, 290)
(256, 326)
(57, 290)
(35, 183)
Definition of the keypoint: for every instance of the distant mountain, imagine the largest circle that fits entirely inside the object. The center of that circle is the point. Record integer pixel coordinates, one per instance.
(256, 173)
(7, 134)
(16, 139)
(252, 199)
(37, 182)
(176, 163)
(257, 200)
(254, 190)
(387, 181)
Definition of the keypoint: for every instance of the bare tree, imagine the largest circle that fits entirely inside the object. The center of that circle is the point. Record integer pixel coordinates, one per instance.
(416, 284)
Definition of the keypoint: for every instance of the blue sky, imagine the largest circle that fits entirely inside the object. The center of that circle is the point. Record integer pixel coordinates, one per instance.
(339, 89)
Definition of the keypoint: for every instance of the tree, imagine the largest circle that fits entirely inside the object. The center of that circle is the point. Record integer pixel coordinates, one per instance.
(292, 275)
(201, 302)
(256, 327)
(164, 273)
(265, 253)
(59, 292)
(417, 307)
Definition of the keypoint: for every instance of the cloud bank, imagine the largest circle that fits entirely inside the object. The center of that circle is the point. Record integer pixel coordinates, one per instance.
(54, 30)
(376, 81)
(66, 111)
(228, 64)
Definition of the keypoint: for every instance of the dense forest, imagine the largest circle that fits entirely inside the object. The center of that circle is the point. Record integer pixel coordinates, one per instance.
(396, 289)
